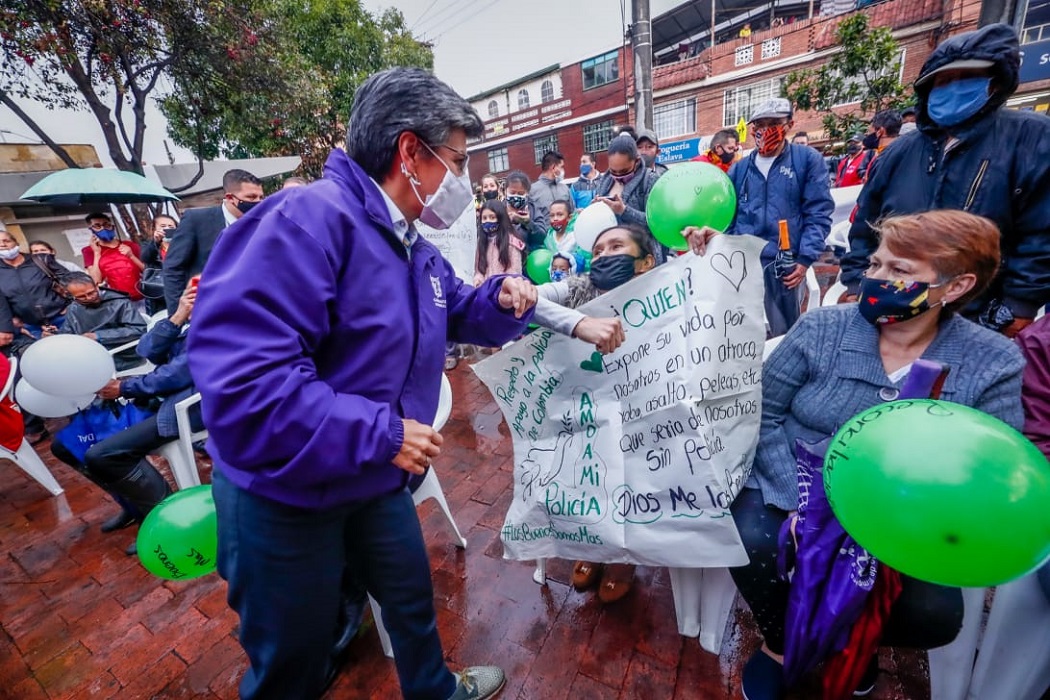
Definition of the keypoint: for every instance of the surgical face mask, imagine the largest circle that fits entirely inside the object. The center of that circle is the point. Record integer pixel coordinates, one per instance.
(611, 271)
(908, 127)
(768, 139)
(489, 228)
(105, 234)
(585, 170)
(951, 104)
(892, 301)
(10, 254)
(517, 201)
(625, 178)
(490, 194)
(871, 141)
(558, 275)
(453, 196)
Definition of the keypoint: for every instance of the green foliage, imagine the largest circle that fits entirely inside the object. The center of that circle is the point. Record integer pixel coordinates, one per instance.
(235, 78)
(326, 49)
(864, 76)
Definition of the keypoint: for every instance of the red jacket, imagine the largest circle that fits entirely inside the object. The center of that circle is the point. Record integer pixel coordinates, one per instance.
(851, 170)
(118, 271)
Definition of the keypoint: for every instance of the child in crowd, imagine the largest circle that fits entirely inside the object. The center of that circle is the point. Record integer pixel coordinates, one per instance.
(561, 268)
(561, 239)
(500, 249)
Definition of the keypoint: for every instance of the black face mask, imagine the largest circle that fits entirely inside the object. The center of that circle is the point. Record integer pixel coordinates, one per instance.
(490, 194)
(245, 207)
(517, 201)
(611, 271)
(726, 157)
(871, 141)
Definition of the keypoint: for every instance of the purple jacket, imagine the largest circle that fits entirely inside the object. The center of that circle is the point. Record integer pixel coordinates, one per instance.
(315, 333)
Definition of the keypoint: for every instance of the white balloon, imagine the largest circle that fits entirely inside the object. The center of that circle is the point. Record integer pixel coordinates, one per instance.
(34, 401)
(592, 221)
(67, 365)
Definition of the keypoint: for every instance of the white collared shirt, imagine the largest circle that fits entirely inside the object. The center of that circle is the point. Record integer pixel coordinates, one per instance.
(406, 234)
(227, 214)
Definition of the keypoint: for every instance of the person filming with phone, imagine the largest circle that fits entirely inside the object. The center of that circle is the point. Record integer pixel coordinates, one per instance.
(625, 186)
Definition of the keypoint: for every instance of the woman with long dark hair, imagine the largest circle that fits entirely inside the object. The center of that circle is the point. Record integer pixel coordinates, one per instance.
(500, 249)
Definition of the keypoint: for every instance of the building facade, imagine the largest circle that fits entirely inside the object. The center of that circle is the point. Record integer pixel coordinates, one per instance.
(699, 88)
(570, 109)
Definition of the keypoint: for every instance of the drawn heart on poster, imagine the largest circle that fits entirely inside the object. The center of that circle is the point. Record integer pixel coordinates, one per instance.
(594, 364)
(732, 267)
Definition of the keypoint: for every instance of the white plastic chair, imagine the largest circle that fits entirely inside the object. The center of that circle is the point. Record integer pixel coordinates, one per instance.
(1015, 653)
(834, 292)
(839, 235)
(430, 488)
(179, 453)
(813, 289)
(25, 457)
(951, 666)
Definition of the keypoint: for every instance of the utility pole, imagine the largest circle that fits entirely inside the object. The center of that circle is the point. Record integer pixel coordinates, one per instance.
(642, 47)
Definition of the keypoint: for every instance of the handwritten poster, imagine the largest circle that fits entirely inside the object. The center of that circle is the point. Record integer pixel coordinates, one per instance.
(458, 243)
(636, 456)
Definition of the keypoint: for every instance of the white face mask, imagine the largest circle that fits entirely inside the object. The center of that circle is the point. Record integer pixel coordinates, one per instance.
(453, 196)
(10, 254)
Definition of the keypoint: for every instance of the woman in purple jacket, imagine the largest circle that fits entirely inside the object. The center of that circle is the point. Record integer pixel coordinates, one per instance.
(320, 379)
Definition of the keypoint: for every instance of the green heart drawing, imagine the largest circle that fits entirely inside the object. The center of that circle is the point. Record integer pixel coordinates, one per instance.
(594, 364)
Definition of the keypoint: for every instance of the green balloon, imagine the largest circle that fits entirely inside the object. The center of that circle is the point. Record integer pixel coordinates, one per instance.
(538, 265)
(178, 540)
(691, 194)
(941, 492)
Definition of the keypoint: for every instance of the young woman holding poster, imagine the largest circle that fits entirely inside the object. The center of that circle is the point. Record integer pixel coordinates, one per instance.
(619, 254)
(838, 361)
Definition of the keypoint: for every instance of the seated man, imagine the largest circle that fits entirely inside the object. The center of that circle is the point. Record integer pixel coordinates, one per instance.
(103, 315)
(118, 464)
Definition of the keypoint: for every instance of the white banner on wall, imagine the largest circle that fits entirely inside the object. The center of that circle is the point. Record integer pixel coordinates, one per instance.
(635, 456)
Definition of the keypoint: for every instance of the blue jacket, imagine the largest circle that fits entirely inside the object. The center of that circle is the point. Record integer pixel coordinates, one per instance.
(999, 168)
(314, 334)
(797, 190)
(165, 346)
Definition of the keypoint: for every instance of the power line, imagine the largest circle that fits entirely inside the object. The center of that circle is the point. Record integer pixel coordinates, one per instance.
(420, 18)
(467, 19)
(449, 11)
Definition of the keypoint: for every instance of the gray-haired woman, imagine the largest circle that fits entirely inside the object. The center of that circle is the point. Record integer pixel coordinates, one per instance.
(320, 378)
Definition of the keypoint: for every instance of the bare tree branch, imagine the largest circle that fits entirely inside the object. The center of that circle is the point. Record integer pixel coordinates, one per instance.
(62, 153)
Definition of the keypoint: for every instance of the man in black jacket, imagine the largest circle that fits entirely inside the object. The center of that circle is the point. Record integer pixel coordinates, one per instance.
(971, 154)
(192, 241)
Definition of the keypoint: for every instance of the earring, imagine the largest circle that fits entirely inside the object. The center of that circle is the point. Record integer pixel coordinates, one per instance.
(411, 178)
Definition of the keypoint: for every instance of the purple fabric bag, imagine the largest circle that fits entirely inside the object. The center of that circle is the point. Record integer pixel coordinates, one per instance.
(833, 575)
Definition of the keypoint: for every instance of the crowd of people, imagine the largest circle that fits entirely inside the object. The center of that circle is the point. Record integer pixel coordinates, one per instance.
(319, 383)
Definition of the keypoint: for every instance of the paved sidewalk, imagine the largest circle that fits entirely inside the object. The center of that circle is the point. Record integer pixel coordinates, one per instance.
(78, 619)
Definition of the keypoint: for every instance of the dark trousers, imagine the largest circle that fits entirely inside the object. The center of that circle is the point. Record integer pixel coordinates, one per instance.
(925, 616)
(783, 306)
(285, 570)
(115, 457)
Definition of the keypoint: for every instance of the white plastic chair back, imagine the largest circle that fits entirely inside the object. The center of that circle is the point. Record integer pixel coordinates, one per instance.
(10, 381)
(834, 292)
(430, 488)
(813, 289)
(839, 235)
(179, 453)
